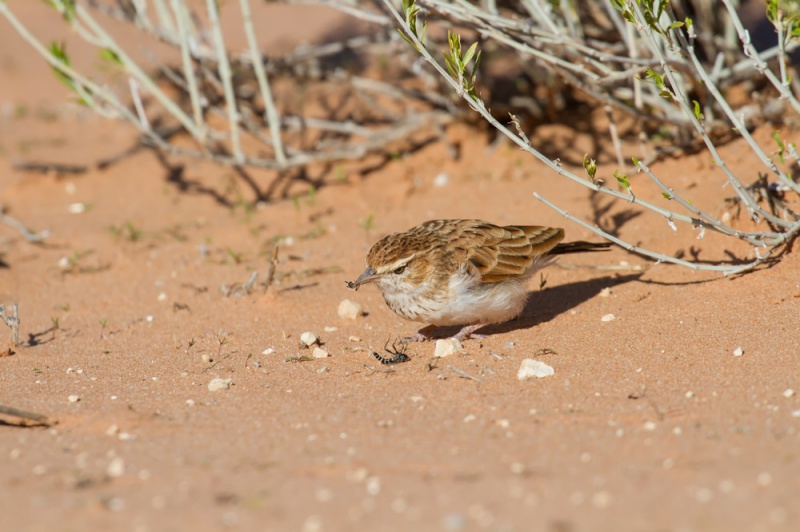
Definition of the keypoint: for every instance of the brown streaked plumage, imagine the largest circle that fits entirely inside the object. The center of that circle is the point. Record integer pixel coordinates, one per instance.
(462, 272)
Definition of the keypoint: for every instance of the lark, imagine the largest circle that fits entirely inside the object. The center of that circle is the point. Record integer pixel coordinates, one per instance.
(470, 273)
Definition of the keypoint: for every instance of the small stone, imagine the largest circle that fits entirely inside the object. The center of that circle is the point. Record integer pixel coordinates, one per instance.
(534, 368)
(218, 383)
(116, 468)
(441, 180)
(112, 430)
(788, 393)
(73, 398)
(354, 339)
(601, 499)
(738, 352)
(115, 504)
(608, 317)
(318, 352)
(349, 309)
(447, 347)
(268, 351)
(308, 339)
(605, 292)
(162, 296)
(373, 485)
(329, 328)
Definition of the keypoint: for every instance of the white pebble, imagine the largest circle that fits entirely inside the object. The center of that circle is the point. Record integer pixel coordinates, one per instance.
(73, 398)
(162, 296)
(534, 368)
(446, 347)
(764, 479)
(441, 180)
(218, 383)
(318, 352)
(608, 317)
(349, 309)
(76, 208)
(795, 413)
(649, 425)
(308, 338)
(788, 393)
(601, 499)
(329, 328)
(373, 485)
(112, 430)
(354, 339)
(268, 351)
(738, 352)
(605, 292)
(116, 468)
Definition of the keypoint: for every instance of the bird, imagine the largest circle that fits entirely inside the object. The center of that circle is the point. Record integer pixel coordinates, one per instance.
(470, 273)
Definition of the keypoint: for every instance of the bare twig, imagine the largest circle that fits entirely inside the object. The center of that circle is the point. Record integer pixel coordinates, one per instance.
(27, 234)
(24, 414)
(464, 374)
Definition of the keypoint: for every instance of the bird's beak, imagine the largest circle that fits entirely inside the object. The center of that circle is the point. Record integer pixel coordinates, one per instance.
(368, 275)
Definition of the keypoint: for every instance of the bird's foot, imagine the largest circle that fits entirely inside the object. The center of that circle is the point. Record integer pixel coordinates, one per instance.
(469, 332)
(423, 335)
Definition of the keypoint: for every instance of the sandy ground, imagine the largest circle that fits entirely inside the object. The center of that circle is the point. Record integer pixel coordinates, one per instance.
(650, 423)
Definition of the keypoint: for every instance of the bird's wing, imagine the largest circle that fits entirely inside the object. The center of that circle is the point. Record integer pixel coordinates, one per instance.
(501, 253)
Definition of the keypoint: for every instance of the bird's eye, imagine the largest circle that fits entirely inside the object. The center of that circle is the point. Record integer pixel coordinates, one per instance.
(400, 270)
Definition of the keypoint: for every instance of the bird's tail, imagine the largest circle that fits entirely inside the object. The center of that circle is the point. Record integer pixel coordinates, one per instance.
(579, 247)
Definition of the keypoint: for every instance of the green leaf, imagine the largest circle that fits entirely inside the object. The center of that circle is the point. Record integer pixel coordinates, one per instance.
(622, 180)
(470, 53)
(697, 113)
(635, 161)
(590, 166)
(778, 140)
(59, 51)
(111, 56)
(667, 195)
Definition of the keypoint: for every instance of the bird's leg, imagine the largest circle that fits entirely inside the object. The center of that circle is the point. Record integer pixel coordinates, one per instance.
(469, 332)
(421, 336)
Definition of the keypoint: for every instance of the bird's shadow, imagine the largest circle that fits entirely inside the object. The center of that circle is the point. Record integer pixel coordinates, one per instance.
(544, 305)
